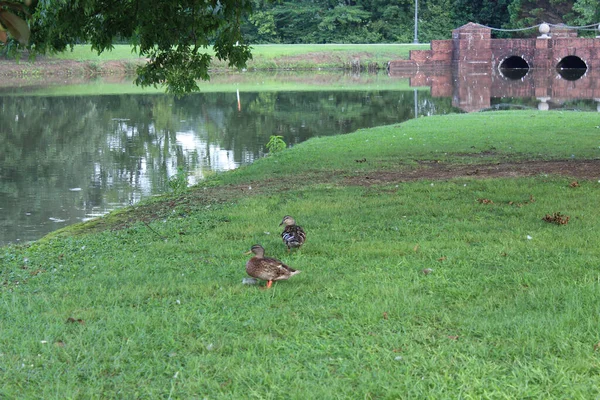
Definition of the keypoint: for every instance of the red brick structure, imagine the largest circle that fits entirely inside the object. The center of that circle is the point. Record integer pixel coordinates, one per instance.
(472, 47)
(468, 67)
(473, 90)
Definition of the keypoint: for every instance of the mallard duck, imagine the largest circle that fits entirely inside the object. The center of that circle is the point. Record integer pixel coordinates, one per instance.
(293, 235)
(266, 268)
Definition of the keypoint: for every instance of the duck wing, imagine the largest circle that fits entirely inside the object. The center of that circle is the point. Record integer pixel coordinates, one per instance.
(269, 269)
(293, 236)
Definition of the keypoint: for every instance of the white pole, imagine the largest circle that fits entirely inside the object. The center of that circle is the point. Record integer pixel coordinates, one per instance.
(416, 21)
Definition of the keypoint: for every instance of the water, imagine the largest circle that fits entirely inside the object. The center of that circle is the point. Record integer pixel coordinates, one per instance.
(66, 159)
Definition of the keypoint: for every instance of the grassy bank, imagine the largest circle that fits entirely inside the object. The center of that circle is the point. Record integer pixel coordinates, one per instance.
(274, 56)
(421, 289)
(82, 61)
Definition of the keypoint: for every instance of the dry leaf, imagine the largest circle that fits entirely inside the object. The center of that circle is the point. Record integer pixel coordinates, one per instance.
(427, 271)
(451, 337)
(485, 201)
(385, 315)
(73, 320)
(557, 218)
(416, 248)
(442, 258)
(574, 184)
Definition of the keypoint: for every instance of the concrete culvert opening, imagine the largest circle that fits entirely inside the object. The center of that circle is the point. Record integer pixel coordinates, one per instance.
(571, 68)
(514, 67)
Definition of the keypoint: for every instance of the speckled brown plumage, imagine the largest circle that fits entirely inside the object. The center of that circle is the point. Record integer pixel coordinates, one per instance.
(266, 268)
(293, 235)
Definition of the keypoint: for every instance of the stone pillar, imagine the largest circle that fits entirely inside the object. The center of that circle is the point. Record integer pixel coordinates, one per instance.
(542, 56)
(472, 46)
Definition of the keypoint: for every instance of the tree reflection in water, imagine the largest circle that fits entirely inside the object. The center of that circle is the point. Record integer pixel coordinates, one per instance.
(67, 159)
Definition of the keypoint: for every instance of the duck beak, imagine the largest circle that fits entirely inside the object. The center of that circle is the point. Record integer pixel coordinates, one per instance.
(248, 252)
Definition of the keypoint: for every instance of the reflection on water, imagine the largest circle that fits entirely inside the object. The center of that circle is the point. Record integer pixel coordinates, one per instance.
(572, 74)
(514, 73)
(65, 159)
(480, 90)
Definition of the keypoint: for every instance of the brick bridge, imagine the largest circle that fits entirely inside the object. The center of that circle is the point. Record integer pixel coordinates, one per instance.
(472, 47)
(472, 68)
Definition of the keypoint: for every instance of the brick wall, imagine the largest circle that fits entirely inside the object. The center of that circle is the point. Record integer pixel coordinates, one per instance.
(471, 46)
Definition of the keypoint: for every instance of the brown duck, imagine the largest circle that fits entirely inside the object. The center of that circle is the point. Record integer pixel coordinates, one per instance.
(266, 268)
(293, 235)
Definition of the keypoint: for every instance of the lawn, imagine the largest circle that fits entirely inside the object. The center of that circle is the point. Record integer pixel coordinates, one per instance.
(267, 53)
(455, 288)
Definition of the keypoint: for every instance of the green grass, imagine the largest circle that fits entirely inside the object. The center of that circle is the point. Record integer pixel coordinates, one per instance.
(510, 309)
(272, 56)
(268, 53)
(457, 138)
(84, 52)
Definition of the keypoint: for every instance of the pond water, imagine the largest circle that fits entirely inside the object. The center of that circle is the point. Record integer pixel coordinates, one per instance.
(66, 158)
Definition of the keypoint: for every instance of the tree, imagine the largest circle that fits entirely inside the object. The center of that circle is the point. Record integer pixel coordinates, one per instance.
(175, 35)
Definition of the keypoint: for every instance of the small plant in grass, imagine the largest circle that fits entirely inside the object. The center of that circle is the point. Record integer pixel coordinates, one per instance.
(178, 182)
(276, 144)
(94, 67)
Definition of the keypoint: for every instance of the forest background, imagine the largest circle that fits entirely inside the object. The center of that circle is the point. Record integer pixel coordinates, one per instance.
(385, 21)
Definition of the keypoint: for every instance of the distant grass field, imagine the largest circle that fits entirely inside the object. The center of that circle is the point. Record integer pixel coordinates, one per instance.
(313, 56)
(408, 289)
(261, 53)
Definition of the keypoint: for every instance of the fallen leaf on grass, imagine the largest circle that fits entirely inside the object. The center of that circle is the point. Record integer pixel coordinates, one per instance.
(442, 259)
(597, 346)
(516, 204)
(485, 201)
(452, 337)
(574, 184)
(427, 271)
(416, 248)
(37, 271)
(557, 218)
(385, 315)
(72, 320)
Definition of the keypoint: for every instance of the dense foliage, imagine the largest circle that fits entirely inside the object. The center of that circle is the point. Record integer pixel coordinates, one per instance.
(175, 35)
(375, 21)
